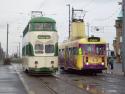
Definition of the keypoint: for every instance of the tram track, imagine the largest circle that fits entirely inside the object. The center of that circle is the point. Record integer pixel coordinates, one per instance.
(83, 88)
(105, 78)
(97, 83)
(59, 83)
(48, 83)
(45, 84)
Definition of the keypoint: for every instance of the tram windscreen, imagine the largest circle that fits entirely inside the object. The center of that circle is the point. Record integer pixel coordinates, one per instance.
(42, 26)
(38, 48)
(88, 49)
(49, 48)
(100, 49)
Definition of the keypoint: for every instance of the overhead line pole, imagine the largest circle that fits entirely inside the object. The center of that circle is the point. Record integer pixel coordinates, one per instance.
(7, 40)
(19, 49)
(69, 18)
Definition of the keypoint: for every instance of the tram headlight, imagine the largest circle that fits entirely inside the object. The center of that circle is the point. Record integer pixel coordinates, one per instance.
(87, 63)
(36, 62)
(52, 62)
(102, 63)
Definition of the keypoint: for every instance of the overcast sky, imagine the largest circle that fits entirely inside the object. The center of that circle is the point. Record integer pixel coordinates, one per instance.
(101, 13)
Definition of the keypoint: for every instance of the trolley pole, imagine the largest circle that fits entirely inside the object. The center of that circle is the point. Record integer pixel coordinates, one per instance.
(17, 51)
(7, 40)
(69, 18)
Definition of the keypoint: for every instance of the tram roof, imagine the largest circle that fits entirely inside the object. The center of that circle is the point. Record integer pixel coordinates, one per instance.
(42, 20)
(85, 41)
(81, 41)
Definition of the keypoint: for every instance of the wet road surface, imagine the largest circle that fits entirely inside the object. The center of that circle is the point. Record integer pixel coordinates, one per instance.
(9, 81)
(66, 83)
(99, 84)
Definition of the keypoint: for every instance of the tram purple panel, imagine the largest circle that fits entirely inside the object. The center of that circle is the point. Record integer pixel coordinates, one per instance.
(94, 66)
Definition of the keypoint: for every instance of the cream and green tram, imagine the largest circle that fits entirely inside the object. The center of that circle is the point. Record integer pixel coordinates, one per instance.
(40, 46)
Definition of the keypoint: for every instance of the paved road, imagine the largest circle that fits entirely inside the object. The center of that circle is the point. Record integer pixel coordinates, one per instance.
(91, 84)
(99, 84)
(9, 81)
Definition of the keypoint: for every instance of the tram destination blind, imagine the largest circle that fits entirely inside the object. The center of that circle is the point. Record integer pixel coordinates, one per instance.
(94, 39)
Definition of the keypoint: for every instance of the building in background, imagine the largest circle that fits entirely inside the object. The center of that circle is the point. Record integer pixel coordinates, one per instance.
(118, 39)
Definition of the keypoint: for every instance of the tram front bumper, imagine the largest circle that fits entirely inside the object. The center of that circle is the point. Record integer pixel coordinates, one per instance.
(43, 70)
(102, 67)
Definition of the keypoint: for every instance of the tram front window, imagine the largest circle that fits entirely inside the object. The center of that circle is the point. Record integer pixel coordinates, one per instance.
(49, 48)
(88, 49)
(42, 27)
(38, 48)
(100, 49)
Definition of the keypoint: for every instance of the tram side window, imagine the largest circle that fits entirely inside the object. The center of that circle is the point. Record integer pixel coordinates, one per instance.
(68, 51)
(49, 48)
(62, 52)
(39, 48)
(71, 52)
(75, 51)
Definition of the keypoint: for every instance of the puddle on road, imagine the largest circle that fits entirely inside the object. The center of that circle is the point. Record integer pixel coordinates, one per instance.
(112, 91)
(93, 89)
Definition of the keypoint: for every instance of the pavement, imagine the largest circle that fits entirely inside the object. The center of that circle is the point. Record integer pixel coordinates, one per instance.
(117, 70)
(10, 82)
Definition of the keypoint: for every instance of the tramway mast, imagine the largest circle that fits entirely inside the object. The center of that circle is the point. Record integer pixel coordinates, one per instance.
(77, 24)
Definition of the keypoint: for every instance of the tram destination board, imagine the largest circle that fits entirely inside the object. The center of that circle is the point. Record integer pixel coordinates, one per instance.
(93, 39)
(44, 36)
